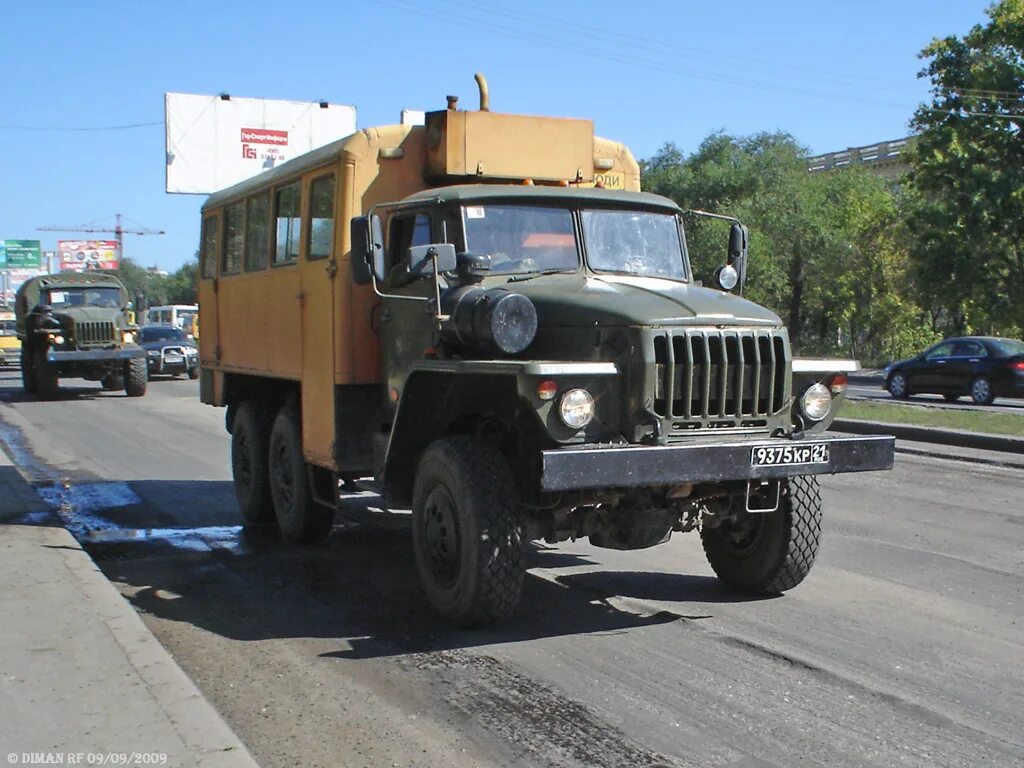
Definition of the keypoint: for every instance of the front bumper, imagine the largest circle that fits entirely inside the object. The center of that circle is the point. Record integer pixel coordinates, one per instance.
(93, 355)
(162, 364)
(703, 461)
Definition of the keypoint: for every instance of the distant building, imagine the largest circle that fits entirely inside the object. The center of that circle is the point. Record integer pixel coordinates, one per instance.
(156, 271)
(884, 158)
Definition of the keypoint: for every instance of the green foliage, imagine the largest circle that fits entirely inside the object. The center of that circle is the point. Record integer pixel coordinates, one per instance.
(966, 206)
(149, 290)
(827, 250)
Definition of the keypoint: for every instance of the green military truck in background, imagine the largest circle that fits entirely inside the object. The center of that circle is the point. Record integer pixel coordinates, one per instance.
(77, 324)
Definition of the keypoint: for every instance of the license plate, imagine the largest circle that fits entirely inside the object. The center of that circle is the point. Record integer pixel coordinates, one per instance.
(173, 359)
(789, 455)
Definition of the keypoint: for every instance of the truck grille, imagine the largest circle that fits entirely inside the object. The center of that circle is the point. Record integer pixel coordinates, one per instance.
(715, 379)
(95, 333)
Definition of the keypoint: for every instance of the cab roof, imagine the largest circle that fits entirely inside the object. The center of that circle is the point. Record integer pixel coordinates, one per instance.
(489, 193)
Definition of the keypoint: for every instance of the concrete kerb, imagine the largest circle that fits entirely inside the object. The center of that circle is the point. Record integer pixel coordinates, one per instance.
(957, 438)
(205, 736)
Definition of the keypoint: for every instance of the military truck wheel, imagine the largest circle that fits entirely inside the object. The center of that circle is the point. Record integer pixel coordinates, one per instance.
(768, 553)
(249, 437)
(28, 376)
(193, 373)
(135, 376)
(299, 516)
(467, 534)
(45, 376)
(112, 382)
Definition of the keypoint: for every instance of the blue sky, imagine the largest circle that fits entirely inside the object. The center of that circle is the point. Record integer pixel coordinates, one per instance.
(834, 74)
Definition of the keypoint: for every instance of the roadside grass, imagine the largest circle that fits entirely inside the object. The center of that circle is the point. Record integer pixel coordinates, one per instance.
(924, 416)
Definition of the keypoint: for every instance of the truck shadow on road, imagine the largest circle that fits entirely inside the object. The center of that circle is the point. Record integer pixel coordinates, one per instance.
(359, 587)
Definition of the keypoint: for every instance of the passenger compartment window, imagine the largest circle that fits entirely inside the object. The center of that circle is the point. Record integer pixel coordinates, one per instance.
(321, 214)
(287, 207)
(257, 232)
(234, 237)
(210, 247)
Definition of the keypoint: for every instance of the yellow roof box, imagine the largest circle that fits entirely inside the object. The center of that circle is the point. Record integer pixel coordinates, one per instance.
(489, 145)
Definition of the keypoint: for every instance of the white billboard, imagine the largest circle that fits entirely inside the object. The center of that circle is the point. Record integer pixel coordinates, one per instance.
(216, 141)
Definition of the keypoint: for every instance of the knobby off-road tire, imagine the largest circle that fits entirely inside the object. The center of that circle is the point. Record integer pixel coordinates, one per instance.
(45, 376)
(768, 553)
(467, 533)
(249, 439)
(299, 517)
(28, 376)
(136, 374)
(112, 382)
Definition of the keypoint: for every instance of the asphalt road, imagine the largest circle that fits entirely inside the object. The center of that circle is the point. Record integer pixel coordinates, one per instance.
(999, 405)
(905, 645)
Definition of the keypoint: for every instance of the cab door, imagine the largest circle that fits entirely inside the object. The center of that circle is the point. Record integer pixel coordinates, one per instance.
(318, 267)
(209, 334)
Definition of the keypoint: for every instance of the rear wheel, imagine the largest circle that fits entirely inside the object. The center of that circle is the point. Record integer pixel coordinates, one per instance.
(250, 434)
(135, 376)
(769, 552)
(981, 391)
(299, 516)
(467, 533)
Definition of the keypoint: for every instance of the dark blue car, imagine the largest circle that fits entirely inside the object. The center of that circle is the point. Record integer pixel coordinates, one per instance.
(982, 367)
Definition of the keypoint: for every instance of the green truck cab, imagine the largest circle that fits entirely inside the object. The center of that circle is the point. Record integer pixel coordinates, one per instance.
(555, 371)
(77, 324)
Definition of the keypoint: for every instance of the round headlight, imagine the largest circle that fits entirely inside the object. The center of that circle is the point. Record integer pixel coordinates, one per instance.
(728, 277)
(58, 339)
(576, 408)
(816, 402)
(128, 337)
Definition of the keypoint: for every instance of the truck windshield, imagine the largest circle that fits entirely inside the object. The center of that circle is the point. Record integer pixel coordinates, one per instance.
(61, 298)
(163, 334)
(634, 243)
(522, 239)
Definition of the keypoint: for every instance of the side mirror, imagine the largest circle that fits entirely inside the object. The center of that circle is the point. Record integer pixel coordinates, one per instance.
(367, 240)
(739, 238)
(421, 259)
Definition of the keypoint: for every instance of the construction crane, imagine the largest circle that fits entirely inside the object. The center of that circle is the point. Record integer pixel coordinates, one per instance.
(118, 231)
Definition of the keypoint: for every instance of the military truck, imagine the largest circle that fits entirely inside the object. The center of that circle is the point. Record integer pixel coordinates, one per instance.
(76, 324)
(507, 335)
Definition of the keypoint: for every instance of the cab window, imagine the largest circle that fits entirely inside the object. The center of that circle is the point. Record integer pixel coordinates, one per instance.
(406, 230)
(321, 217)
(287, 207)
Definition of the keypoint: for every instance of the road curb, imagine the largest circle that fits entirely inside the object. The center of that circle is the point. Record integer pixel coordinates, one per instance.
(960, 439)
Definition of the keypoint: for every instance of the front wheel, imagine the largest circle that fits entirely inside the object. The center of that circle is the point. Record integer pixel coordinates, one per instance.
(28, 376)
(467, 534)
(981, 391)
(299, 516)
(769, 552)
(193, 373)
(135, 376)
(45, 376)
(898, 386)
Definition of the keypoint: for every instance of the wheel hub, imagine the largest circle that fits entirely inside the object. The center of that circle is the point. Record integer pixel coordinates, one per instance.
(440, 536)
(743, 534)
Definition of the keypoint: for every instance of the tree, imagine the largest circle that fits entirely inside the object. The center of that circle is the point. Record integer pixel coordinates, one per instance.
(966, 209)
(826, 249)
(148, 289)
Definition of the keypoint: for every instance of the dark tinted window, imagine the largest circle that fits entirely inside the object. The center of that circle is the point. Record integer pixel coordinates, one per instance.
(151, 333)
(234, 237)
(969, 349)
(257, 232)
(287, 211)
(943, 350)
(321, 215)
(209, 255)
(1009, 347)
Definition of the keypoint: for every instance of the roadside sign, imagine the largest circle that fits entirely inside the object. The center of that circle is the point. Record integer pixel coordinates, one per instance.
(22, 254)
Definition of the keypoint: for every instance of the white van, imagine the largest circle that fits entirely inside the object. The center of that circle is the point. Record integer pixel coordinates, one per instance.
(178, 315)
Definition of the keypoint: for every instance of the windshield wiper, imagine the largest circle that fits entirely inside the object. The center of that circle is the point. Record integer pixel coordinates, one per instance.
(531, 275)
